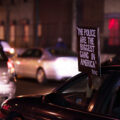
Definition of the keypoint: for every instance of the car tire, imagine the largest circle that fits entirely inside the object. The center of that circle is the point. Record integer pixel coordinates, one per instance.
(40, 76)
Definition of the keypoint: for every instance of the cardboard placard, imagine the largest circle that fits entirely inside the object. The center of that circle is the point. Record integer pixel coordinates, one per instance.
(88, 50)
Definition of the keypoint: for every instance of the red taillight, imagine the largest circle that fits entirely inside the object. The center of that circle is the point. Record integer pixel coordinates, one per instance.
(6, 107)
(10, 66)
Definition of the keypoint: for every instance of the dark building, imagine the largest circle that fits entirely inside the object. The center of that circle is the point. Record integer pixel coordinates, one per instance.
(28, 23)
(55, 20)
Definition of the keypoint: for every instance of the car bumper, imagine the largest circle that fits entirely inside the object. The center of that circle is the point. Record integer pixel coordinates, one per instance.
(7, 89)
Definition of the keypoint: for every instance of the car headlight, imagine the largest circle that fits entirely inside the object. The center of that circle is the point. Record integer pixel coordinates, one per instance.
(12, 50)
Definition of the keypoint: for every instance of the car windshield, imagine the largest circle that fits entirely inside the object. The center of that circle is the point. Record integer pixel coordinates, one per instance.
(81, 83)
(61, 52)
(79, 89)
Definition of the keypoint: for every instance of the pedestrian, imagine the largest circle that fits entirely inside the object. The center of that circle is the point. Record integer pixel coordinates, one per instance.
(60, 43)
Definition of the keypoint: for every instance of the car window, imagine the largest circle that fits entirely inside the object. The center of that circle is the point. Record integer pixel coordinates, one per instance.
(27, 53)
(37, 53)
(107, 95)
(78, 92)
(32, 53)
(115, 104)
(114, 107)
(61, 52)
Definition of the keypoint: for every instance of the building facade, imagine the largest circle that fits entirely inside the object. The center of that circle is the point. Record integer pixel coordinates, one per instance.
(39, 23)
(16, 22)
(111, 26)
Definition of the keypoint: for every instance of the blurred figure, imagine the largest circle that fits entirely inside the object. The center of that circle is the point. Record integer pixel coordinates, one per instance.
(1, 48)
(60, 43)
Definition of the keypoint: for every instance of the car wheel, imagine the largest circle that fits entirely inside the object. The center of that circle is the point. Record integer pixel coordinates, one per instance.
(41, 76)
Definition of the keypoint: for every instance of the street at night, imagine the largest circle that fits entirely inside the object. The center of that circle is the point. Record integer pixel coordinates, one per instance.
(59, 59)
(27, 86)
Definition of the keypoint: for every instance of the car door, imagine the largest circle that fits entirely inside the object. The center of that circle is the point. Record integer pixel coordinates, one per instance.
(108, 98)
(19, 65)
(33, 62)
(22, 62)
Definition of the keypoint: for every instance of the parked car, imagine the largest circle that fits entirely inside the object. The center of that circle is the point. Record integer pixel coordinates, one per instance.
(9, 51)
(7, 77)
(76, 99)
(49, 63)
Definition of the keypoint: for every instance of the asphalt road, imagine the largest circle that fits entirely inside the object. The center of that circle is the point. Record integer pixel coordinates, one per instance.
(30, 86)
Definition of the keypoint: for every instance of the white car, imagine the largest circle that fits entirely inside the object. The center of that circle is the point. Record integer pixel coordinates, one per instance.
(7, 77)
(50, 63)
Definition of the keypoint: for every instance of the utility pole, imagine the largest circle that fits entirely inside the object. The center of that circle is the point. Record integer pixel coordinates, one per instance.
(36, 22)
(74, 38)
(7, 21)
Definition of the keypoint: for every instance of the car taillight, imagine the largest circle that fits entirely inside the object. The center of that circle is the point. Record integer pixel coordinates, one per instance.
(6, 107)
(10, 66)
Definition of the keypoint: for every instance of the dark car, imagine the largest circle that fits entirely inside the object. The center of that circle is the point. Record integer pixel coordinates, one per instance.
(7, 77)
(76, 99)
(112, 61)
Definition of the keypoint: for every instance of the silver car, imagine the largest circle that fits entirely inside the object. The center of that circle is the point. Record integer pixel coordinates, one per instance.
(7, 77)
(45, 64)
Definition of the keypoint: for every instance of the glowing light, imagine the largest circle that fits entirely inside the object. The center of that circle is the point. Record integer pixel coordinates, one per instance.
(52, 113)
(66, 67)
(18, 62)
(113, 32)
(10, 66)
(90, 108)
(16, 105)
(12, 50)
(6, 107)
(111, 23)
(5, 88)
(4, 73)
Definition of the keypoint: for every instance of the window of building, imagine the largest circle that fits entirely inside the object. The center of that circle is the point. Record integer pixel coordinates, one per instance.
(39, 31)
(2, 32)
(114, 32)
(26, 33)
(12, 32)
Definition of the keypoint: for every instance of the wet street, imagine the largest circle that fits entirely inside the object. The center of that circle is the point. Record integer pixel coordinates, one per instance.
(26, 86)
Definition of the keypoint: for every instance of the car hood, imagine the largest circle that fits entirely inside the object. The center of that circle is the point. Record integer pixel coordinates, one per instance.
(36, 99)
